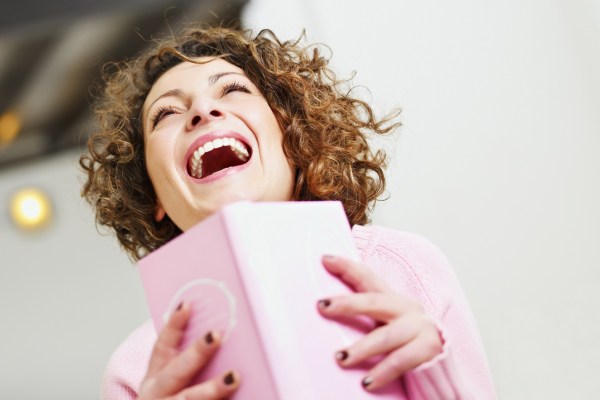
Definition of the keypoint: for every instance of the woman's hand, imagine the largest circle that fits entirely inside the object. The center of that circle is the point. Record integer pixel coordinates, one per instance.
(404, 334)
(170, 371)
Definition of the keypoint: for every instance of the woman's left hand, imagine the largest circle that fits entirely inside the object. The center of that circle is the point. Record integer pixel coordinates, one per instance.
(405, 335)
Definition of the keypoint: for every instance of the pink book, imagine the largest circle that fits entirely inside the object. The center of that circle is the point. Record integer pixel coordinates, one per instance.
(253, 272)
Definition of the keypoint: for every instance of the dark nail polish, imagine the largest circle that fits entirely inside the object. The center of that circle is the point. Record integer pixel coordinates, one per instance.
(324, 303)
(367, 381)
(229, 379)
(179, 306)
(341, 355)
(209, 338)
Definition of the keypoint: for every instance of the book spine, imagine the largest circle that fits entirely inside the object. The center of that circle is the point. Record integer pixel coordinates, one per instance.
(269, 389)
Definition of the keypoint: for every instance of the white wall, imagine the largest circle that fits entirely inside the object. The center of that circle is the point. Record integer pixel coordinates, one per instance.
(68, 296)
(497, 162)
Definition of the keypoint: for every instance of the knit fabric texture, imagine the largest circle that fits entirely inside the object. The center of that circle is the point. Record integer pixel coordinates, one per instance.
(411, 266)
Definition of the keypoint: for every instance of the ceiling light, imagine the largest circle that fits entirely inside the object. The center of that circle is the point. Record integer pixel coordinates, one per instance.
(10, 125)
(31, 209)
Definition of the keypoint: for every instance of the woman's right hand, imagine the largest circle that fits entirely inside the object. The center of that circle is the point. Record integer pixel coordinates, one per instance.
(170, 371)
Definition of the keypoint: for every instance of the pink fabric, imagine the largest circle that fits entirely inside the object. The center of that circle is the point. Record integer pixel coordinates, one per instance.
(410, 265)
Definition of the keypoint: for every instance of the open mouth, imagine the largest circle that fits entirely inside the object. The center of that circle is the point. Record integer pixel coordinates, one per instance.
(217, 155)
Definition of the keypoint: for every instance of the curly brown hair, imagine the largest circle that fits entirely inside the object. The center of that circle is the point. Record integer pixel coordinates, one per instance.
(325, 130)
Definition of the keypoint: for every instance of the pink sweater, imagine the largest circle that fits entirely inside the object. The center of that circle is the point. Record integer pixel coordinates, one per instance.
(410, 265)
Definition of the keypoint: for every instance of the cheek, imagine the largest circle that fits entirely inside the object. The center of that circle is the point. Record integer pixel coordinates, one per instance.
(158, 154)
(262, 120)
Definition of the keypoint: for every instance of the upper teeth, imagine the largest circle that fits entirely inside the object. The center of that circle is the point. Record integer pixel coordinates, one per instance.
(196, 160)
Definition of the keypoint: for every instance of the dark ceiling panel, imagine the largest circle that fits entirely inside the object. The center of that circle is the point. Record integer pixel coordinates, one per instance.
(52, 52)
(19, 62)
(30, 13)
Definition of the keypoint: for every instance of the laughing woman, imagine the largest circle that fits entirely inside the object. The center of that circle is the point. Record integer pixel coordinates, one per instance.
(215, 116)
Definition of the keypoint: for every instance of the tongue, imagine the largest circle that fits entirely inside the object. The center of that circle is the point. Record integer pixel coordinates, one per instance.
(219, 159)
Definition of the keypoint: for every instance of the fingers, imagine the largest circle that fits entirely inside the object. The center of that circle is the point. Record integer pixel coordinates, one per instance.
(382, 307)
(166, 346)
(379, 341)
(422, 348)
(217, 388)
(170, 371)
(407, 336)
(354, 274)
(180, 370)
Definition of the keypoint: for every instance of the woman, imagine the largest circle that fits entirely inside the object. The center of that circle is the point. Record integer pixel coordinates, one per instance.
(217, 115)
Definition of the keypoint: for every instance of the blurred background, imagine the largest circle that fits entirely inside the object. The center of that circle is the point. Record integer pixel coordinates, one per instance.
(497, 162)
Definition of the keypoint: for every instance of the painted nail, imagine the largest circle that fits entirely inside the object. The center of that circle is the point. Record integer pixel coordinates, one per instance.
(324, 303)
(209, 338)
(341, 355)
(367, 381)
(229, 379)
(179, 306)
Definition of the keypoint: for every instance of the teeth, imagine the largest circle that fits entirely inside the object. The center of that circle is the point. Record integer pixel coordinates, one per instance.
(236, 146)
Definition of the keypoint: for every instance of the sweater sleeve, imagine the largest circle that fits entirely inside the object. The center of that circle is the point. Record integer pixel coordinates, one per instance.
(413, 266)
(128, 364)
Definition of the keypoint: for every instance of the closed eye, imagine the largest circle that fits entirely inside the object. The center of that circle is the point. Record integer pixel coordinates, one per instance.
(234, 87)
(161, 113)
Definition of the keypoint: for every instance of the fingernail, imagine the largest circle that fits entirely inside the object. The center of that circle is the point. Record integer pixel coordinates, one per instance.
(328, 257)
(367, 381)
(322, 304)
(209, 338)
(229, 379)
(341, 355)
(179, 306)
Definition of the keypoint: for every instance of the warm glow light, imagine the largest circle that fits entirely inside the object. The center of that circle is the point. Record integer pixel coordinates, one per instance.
(31, 209)
(10, 125)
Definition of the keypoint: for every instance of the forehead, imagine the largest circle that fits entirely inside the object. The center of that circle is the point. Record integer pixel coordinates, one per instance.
(185, 73)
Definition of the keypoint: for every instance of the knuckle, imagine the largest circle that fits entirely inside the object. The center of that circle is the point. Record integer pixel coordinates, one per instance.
(182, 396)
(161, 350)
(347, 276)
(396, 363)
(206, 390)
(199, 355)
(145, 387)
(433, 345)
(411, 361)
(371, 302)
(386, 335)
(429, 348)
(213, 391)
(428, 344)
(426, 324)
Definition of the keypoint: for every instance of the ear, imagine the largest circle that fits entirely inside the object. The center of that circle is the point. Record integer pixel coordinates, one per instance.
(159, 213)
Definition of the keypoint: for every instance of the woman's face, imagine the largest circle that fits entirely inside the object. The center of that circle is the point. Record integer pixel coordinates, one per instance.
(211, 139)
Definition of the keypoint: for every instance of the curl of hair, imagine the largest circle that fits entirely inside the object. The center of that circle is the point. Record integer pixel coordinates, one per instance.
(325, 130)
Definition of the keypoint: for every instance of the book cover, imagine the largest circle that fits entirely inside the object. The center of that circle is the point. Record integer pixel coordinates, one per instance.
(253, 272)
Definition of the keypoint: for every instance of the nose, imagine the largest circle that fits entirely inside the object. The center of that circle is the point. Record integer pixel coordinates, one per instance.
(203, 115)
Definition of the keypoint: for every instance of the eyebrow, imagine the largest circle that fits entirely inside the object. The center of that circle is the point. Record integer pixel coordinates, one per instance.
(170, 93)
(214, 78)
(179, 93)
